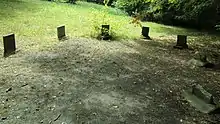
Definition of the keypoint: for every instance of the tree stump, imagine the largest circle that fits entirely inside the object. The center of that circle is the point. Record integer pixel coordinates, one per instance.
(9, 44)
(61, 32)
(181, 42)
(105, 32)
(145, 32)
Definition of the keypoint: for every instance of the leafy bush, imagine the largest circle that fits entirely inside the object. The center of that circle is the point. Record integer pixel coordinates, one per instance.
(193, 13)
(131, 6)
(110, 2)
(99, 18)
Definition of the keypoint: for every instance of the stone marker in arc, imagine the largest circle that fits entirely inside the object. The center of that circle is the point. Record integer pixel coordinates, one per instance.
(105, 32)
(145, 32)
(201, 93)
(9, 44)
(105, 29)
(61, 32)
(202, 100)
(181, 42)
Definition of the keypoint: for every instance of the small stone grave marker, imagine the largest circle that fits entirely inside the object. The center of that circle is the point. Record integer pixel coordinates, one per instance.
(145, 32)
(9, 44)
(105, 32)
(61, 32)
(202, 100)
(201, 93)
(181, 42)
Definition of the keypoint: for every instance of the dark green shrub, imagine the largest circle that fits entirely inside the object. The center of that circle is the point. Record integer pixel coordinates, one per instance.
(192, 13)
(110, 2)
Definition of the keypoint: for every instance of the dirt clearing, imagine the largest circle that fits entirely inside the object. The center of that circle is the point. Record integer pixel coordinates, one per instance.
(82, 81)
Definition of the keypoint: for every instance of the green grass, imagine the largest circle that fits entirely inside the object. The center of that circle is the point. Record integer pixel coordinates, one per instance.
(34, 22)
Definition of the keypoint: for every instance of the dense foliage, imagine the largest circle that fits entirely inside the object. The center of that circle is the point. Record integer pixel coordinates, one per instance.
(110, 2)
(193, 13)
(202, 14)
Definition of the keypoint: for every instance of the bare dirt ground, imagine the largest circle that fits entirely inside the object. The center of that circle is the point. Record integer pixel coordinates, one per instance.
(85, 81)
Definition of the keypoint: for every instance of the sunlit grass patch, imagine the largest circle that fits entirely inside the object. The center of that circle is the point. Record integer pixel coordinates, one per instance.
(34, 23)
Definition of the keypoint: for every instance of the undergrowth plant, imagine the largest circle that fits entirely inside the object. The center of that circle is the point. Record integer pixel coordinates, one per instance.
(120, 28)
(102, 17)
(136, 20)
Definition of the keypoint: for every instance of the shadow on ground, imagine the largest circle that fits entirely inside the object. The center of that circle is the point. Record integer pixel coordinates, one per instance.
(88, 81)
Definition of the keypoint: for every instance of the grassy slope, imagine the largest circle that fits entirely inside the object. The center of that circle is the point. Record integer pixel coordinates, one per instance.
(91, 81)
(34, 22)
(37, 21)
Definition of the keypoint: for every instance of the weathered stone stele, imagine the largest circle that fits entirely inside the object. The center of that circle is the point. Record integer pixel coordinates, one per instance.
(105, 32)
(145, 32)
(61, 32)
(9, 44)
(202, 94)
(199, 98)
(181, 42)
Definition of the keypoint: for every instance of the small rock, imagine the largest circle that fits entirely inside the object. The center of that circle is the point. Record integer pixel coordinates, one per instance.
(24, 85)
(9, 89)
(140, 80)
(195, 63)
(115, 106)
(4, 118)
(32, 87)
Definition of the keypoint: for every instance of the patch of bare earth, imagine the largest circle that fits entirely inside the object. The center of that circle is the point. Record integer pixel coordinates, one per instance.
(98, 82)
